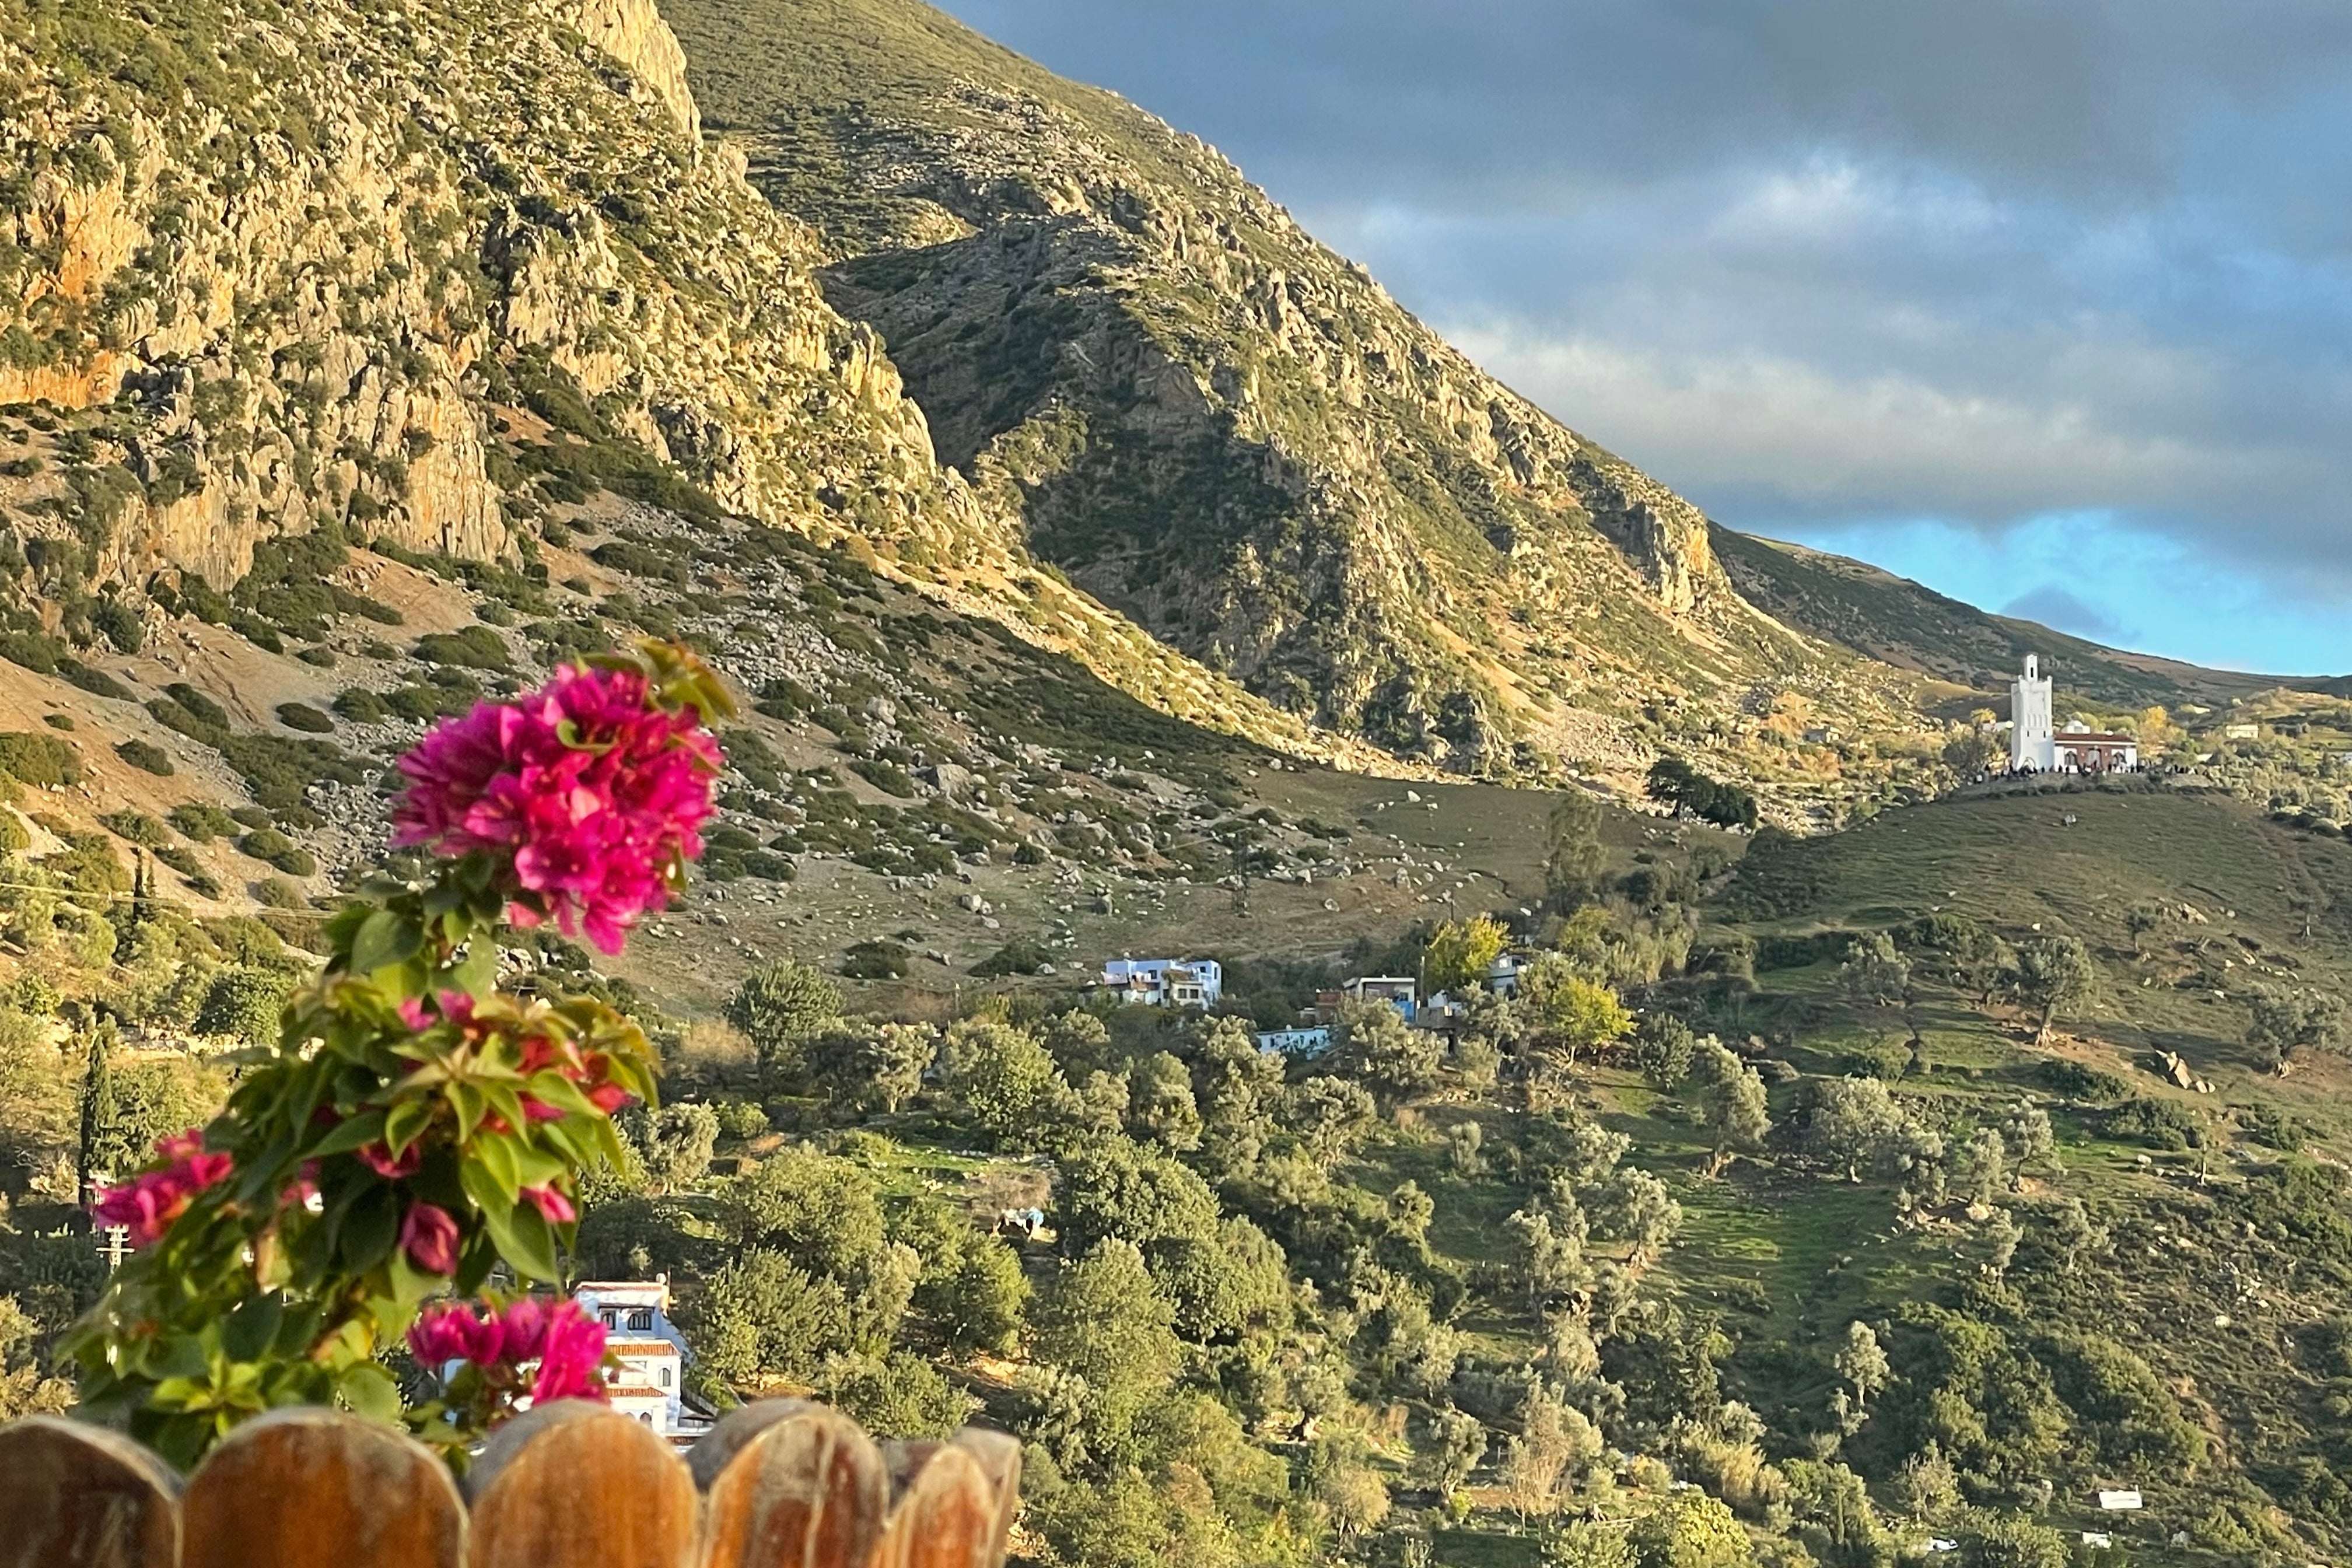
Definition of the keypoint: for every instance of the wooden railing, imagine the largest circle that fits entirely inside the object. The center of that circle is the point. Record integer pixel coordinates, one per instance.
(781, 1484)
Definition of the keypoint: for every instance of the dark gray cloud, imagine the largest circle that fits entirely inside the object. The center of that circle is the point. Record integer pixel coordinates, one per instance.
(2055, 607)
(1821, 263)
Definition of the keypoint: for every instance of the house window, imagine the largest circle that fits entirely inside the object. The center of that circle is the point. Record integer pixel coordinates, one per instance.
(664, 1375)
(612, 1320)
(642, 1320)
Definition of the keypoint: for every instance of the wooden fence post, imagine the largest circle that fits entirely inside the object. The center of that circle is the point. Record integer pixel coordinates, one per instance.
(77, 1496)
(790, 1483)
(303, 1488)
(943, 1512)
(575, 1485)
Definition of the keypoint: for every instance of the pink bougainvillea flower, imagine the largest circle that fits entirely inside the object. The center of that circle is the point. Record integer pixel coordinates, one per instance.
(563, 1339)
(537, 1110)
(412, 1013)
(571, 1357)
(453, 1331)
(148, 1203)
(588, 790)
(550, 1201)
(379, 1158)
(429, 1235)
(608, 1098)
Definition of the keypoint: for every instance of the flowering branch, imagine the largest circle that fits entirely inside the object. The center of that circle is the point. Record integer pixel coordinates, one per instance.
(413, 1130)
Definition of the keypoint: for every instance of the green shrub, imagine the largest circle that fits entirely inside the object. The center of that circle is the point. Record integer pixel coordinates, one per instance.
(2159, 1123)
(15, 837)
(135, 828)
(58, 722)
(146, 756)
(201, 821)
(36, 651)
(274, 848)
(43, 762)
(876, 961)
(302, 716)
(1019, 956)
(475, 648)
(198, 706)
(97, 683)
(277, 893)
(888, 778)
(361, 706)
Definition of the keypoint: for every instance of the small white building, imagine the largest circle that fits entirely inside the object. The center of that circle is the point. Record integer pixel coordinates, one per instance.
(1165, 982)
(650, 1385)
(2037, 746)
(1309, 1041)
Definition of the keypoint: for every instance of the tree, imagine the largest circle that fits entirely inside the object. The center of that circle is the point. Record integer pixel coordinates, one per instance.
(979, 1304)
(1573, 852)
(1568, 1013)
(95, 1155)
(1856, 1123)
(1004, 1078)
(760, 1319)
(2011, 1541)
(2053, 971)
(674, 1144)
(1333, 1114)
(1113, 1186)
(2141, 919)
(1874, 974)
(1862, 1362)
(1663, 1047)
(1106, 1322)
(778, 1007)
(1460, 1443)
(1970, 753)
(866, 1067)
(1459, 956)
(1393, 1056)
(1689, 1529)
(244, 1002)
(2283, 1022)
(1731, 1100)
(1160, 1105)
(1675, 783)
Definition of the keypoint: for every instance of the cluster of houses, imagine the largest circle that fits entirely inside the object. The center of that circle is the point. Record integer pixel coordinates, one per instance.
(1199, 983)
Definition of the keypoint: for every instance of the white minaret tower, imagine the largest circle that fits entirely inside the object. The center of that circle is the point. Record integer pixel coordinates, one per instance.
(2033, 744)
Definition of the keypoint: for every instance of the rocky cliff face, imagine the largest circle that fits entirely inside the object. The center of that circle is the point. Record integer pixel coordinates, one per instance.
(1218, 425)
(298, 296)
(424, 272)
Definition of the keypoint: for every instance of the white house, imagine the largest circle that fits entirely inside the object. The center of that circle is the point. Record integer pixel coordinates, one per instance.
(1165, 982)
(651, 1382)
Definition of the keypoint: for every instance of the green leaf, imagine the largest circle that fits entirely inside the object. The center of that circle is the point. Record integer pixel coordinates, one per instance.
(384, 938)
(406, 1123)
(369, 1390)
(367, 1127)
(497, 1159)
(527, 1241)
(250, 1329)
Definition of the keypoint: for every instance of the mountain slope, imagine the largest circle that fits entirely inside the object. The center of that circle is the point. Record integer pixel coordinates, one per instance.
(1225, 429)
(1894, 620)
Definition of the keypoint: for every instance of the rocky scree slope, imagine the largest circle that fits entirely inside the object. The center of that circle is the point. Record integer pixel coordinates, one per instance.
(1223, 428)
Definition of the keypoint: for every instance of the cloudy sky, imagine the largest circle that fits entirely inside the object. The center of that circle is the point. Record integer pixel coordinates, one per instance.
(2047, 303)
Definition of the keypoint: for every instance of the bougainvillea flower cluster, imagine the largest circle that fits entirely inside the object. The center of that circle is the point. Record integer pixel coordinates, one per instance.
(588, 792)
(148, 1203)
(412, 1131)
(560, 1345)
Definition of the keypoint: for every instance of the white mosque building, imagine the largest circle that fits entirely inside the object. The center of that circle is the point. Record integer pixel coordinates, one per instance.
(2037, 746)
